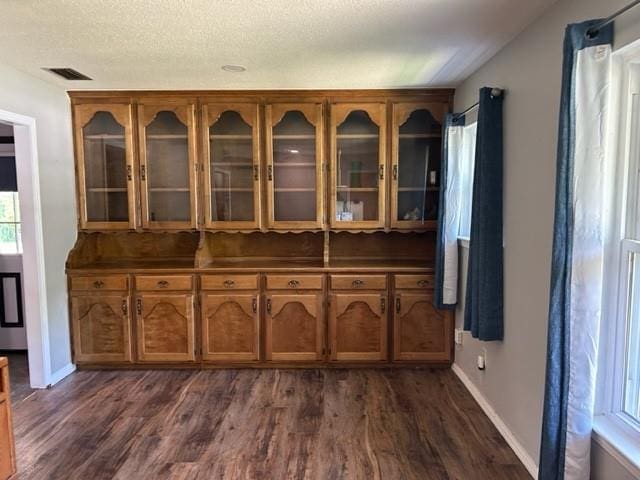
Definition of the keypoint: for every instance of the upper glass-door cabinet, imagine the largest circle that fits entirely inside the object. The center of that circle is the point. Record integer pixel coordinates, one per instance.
(232, 166)
(104, 156)
(415, 172)
(168, 165)
(358, 165)
(294, 166)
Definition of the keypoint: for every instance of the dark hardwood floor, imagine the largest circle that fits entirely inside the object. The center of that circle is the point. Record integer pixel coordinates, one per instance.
(259, 424)
(18, 374)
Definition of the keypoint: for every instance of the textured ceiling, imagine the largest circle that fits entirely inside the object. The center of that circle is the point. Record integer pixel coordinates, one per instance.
(173, 44)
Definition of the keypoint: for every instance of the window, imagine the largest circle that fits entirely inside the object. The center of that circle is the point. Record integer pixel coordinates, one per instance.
(10, 229)
(467, 163)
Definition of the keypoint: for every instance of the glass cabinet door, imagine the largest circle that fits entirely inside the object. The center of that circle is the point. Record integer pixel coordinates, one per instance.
(358, 170)
(294, 165)
(416, 151)
(104, 145)
(232, 177)
(167, 166)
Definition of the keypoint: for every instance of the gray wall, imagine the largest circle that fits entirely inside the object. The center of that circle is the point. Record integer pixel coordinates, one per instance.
(49, 105)
(529, 68)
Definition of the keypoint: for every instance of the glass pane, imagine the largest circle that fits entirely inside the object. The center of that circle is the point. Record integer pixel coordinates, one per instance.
(357, 168)
(8, 207)
(8, 238)
(418, 170)
(232, 171)
(294, 168)
(168, 169)
(631, 399)
(105, 169)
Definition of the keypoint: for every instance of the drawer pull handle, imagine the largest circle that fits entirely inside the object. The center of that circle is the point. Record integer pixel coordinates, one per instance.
(293, 283)
(125, 308)
(382, 304)
(398, 305)
(254, 305)
(423, 283)
(268, 305)
(163, 284)
(228, 283)
(357, 283)
(139, 306)
(98, 284)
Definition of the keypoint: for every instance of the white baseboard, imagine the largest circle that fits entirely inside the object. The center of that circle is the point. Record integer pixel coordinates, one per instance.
(62, 373)
(512, 441)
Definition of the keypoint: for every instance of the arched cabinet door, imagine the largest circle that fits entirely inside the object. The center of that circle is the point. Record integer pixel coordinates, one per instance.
(168, 169)
(294, 166)
(101, 328)
(294, 327)
(358, 326)
(420, 331)
(416, 138)
(232, 166)
(105, 167)
(358, 165)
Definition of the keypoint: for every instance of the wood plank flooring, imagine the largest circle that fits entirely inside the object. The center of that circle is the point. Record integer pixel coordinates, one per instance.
(259, 424)
(18, 374)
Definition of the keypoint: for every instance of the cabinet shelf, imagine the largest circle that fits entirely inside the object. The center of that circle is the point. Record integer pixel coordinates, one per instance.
(106, 190)
(166, 136)
(294, 164)
(294, 137)
(357, 136)
(104, 136)
(358, 189)
(294, 190)
(420, 135)
(231, 164)
(231, 137)
(169, 189)
(233, 189)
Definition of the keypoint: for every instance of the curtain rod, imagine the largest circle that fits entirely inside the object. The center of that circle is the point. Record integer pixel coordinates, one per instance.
(495, 92)
(593, 31)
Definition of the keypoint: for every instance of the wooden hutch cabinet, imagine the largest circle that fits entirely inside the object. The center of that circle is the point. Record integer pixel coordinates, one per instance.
(259, 228)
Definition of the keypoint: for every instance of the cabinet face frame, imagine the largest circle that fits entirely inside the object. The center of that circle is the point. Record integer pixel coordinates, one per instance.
(407, 300)
(123, 114)
(377, 113)
(152, 300)
(274, 113)
(185, 112)
(312, 302)
(249, 112)
(119, 303)
(249, 302)
(343, 299)
(400, 114)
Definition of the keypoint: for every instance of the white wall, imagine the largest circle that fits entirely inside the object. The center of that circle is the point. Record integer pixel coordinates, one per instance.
(529, 68)
(49, 105)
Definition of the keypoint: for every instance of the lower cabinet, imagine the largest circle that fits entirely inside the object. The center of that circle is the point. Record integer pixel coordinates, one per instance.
(230, 327)
(101, 327)
(358, 326)
(421, 332)
(7, 447)
(165, 327)
(294, 327)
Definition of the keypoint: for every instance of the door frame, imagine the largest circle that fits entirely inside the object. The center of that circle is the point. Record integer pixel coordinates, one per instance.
(33, 266)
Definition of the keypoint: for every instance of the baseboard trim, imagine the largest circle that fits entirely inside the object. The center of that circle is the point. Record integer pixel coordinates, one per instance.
(60, 374)
(506, 433)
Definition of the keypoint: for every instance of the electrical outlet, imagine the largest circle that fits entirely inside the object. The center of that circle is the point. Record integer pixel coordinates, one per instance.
(458, 336)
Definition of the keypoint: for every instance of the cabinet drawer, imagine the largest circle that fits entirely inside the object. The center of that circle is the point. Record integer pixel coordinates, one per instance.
(414, 282)
(229, 282)
(358, 282)
(163, 282)
(294, 282)
(100, 282)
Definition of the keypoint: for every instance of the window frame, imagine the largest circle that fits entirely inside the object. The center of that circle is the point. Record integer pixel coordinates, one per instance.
(16, 223)
(614, 429)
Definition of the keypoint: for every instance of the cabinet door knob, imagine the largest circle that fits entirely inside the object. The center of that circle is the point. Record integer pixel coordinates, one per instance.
(382, 304)
(268, 305)
(357, 283)
(395, 172)
(398, 305)
(139, 306)
(381, 172)
(125, 308)
(293, 283)
(143, 172)
(256, 172)
(270, 172)
(423, 283)
(254, 305)
(163, 284)
(98, 284)
(228, 283)
(129, 172)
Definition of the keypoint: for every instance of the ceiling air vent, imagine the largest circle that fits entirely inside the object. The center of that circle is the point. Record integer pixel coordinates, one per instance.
(67, 73)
